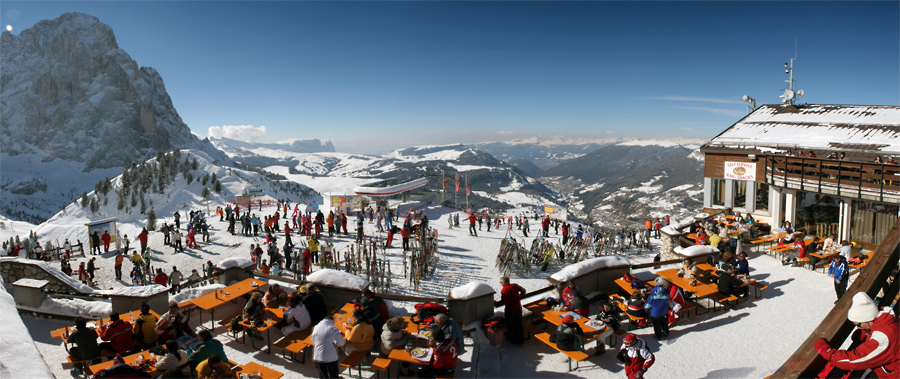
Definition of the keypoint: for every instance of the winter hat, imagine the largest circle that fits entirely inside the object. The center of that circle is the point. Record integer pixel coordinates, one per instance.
(630, 339)
(568, 319)
(863, 308)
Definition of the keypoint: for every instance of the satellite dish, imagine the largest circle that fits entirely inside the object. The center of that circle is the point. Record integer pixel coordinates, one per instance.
(746, 98)
(788, 94)
(800, 93)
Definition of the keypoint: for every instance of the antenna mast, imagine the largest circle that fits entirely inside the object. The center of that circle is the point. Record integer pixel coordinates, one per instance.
(789, 94)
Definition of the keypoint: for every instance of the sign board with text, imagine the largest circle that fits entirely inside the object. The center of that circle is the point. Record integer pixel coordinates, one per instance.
(740, 171)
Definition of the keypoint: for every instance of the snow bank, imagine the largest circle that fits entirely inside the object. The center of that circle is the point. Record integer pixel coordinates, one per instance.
(19, 357)
(675, 229)
(235, 262)
(578, 269)
(695, 250)
(193, 293)
(52, 270)
(139, 291)
(338, 279)
(701, 215)
(471, 290)
(73, 307)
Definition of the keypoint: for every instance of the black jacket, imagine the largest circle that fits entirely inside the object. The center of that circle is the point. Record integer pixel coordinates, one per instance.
(315, 303)
(728, 284)
(567, 335)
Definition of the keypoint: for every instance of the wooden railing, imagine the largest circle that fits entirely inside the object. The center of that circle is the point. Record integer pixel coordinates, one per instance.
(841, 178)
(834, 328)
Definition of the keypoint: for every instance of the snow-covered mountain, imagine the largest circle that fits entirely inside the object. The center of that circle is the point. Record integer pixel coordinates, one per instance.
(489, 179)
(132, 195)
(74, 102)
(548, 151)
(627, 183)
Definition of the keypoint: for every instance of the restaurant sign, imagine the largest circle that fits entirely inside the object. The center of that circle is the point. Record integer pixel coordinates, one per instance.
(740, 171)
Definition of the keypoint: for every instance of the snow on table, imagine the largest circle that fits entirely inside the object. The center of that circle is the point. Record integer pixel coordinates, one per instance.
(695, 250)
(235, 262)
(471, 290)
(338, 279)
(578, 269)
(193, 293)
(31, 283)
(139, 291)
(52, 270)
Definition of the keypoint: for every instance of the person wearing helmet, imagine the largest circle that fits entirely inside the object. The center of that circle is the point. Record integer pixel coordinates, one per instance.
(875, 344)
(635, 356)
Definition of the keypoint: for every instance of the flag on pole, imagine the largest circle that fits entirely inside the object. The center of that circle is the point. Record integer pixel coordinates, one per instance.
(457, 181)
(444, 178)
(467, 186)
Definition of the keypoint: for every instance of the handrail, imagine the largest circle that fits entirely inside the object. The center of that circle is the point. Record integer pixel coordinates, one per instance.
(806, 362)
(386, 296)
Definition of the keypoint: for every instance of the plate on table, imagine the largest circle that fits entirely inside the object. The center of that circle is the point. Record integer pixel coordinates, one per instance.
(425, 334)
(596, 324)
(418, 352)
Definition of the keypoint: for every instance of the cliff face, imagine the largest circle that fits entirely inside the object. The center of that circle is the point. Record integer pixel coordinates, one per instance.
(69, 94)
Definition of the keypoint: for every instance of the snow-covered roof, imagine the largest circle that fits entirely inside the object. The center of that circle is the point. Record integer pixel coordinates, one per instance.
(471, 290)
(235, 262)
(829, 127)
(338, 279)
(31, 283)
(19, 356)
(138, 291)
(102, 221)
(578, 269)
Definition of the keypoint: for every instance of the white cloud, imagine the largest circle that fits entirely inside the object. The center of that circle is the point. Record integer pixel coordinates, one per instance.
(246, 133)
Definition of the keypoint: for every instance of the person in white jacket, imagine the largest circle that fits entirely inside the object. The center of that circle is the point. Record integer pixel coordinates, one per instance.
(296, 317)
(326, 339)
(173, 359)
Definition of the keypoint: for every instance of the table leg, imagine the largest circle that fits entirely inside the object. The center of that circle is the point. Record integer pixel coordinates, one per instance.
(269, 340)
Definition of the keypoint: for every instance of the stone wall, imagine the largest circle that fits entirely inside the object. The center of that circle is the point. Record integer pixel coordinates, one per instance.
(667, 246)
(11, 271)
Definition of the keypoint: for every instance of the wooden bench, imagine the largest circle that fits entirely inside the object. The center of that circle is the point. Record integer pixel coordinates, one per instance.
(718, 297)
(381, 364)
(295, 344)
(227, 320)
(688, 307)
(757, 288)
(355, 360)
(613, 339)
(544, 337)
(104, 354)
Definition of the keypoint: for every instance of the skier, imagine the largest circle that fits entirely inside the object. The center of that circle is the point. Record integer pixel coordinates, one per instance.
(635, 356)
(177, 220)
(546, 226)
(95, 242)
(143, 238)
(472, 230)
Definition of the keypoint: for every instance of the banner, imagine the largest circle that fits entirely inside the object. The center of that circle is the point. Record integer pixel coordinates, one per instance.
(346, 202)
(468, 192)
(555, 213)
(312, 206)
(740, 171)
(457, 181)
(444, 179)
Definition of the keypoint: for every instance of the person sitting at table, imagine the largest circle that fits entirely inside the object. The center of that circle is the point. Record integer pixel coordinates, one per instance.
(830, 243)
(315, 302)
(118, 333)
(451, 330)
(567, 334)
(214, 368)
(264, 267)
(362, 335)
(120, 369)
(702, 237)
(636, 307)
(173, 324)
(378, 302)
(393, 334)
(326, 338)
(730, 285)
(742, 266)
(371, 312)
(567, 296)
(144, 328)
(275, 296)
(174, 359)
(608, 316)
(254, 309)
(296, 317)
(714, 237)
(207, 347)
(846, 250)
(798, 250)
(85, 340)
(443, 360)
(689, 269)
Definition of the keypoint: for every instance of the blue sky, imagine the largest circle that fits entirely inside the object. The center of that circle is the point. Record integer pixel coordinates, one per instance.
(375, 76)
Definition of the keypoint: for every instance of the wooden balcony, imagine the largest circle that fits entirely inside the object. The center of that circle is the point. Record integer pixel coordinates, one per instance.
(866, 181)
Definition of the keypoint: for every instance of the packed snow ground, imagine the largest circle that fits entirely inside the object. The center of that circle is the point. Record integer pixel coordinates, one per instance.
(750, 341)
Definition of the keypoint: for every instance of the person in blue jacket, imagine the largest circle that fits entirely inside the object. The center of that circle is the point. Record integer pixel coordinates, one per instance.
(839, 270)
(658, 308)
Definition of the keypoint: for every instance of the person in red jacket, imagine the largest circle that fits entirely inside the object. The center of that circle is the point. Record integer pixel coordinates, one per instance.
(404, 234)
(443, 360)
(875, 344)
(511, 296)
(118, 333)
(546, 226)
(635, 356)
(106, 238)
(161, 278)
(565, 233)
(472, 221)
(143, 238)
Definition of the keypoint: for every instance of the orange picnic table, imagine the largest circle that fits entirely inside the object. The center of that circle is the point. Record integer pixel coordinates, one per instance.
(210, 301)
(130, 360)
(699, 290)
(590, 333)
(258, 369)
(130, 317)
(627, 286)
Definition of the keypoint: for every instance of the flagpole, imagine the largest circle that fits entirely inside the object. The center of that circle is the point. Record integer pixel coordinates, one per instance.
(467, 192)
